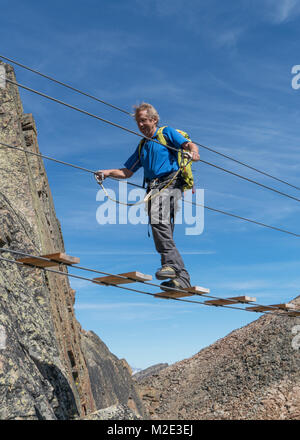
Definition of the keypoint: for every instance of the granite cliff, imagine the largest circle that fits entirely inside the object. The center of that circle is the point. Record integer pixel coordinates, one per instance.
(49, 367)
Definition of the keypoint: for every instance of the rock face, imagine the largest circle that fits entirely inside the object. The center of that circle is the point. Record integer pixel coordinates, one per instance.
(114, 412)
(150, 371)
(44, 355)
(253, 373)
(110, 377)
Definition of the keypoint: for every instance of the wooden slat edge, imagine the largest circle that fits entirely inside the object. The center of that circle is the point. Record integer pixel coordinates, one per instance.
(56, 258)
(259, 308)
(139, 276)
(220, 302)
(63, 258)
(123, 278)
(197, 290)
(172, 294)
(243, 299)
(285, 306)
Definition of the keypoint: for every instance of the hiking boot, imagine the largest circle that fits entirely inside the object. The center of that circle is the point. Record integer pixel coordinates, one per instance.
(174, 284)
(165, 272)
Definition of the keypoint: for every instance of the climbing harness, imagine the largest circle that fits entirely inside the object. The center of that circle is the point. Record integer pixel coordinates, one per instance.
(153, 185)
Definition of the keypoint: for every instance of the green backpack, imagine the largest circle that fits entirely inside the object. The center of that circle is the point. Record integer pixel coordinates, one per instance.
(185, 167)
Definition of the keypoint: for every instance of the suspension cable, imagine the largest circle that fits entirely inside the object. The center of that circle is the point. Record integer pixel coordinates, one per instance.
(139, 186)
(242, 218)
(128, 113)
(149, 283)
(133, 132)
(251, 181)
(122, 287)
(141, 136)
(66, 85)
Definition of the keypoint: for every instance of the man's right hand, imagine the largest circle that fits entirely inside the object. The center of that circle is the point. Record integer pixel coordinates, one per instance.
(119, 173)
(100, 175)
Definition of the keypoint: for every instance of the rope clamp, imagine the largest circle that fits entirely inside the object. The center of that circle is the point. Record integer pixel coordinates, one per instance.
(99, 177)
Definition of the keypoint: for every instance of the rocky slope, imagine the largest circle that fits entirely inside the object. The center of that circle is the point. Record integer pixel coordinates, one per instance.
(253, 373)
(46, 360)
(150, 371)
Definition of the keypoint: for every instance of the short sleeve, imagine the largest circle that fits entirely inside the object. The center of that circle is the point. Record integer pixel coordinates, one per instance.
(175, 138)
(133, 163)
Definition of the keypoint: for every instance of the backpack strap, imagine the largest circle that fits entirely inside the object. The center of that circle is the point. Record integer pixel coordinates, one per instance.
(160, 137)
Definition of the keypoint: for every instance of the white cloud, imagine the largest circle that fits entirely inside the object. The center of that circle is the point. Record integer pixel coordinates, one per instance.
(227, 38)
(282, 11)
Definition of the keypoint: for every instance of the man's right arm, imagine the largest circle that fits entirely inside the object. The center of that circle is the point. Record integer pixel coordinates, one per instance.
(119, 173)
(130, 167)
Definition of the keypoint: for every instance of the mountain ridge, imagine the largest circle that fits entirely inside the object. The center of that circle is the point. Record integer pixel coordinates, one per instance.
(252, 373)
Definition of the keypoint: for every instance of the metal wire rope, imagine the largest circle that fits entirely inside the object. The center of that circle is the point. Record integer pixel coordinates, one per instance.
(97, 271)
(133, 132)
(65, 85)
(139, 186)
(122, 287)
(128, 113)
(141, 136)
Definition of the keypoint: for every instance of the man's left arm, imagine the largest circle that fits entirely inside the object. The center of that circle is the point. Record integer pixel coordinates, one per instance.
(192, 149)
(178, 140)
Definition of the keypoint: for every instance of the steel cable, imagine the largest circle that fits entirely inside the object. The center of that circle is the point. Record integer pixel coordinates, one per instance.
(122, 287)
(141, 136)
(129, 114)
(139, 186)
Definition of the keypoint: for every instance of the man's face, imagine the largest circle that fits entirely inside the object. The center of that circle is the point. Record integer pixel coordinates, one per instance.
(146, 125)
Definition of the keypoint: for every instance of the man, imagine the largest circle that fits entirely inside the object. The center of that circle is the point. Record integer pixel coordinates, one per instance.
(160, 166)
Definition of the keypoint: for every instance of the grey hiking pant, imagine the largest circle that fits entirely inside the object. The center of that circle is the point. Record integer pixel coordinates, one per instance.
(161, 211)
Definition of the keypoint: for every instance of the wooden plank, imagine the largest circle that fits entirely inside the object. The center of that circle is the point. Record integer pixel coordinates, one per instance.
(130, 277)
(197, 290)
(285, 306)
(259, 308)
(227, 301)
(220, 302)
(57, 258)
(188, 291)
(243, 299)
(172, 294)
(296, 313)
(272, 307)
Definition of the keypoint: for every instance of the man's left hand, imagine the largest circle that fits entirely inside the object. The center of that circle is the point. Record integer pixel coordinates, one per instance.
(194, 155)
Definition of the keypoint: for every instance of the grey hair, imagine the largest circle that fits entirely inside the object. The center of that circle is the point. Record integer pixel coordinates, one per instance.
(151, 111)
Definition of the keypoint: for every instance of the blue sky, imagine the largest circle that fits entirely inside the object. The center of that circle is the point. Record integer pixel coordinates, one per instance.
(220, 71)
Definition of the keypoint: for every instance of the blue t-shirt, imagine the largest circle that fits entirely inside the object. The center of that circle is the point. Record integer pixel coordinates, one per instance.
(156, 159)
